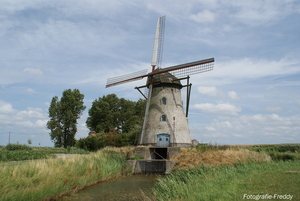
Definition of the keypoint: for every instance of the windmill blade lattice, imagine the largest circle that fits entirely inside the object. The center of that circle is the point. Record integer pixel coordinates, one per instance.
(161, 41)
(126, 78)
(191, 68)
(158, 42)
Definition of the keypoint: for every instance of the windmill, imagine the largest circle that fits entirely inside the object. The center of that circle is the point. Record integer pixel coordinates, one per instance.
(165, 123)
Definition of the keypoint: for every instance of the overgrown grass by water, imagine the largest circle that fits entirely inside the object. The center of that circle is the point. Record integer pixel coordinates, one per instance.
(228, 182)
(216, 172)
(42, 179)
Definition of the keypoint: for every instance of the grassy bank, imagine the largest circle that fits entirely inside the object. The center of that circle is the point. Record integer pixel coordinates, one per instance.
(42, 179)
(214, 172)
(228, 182)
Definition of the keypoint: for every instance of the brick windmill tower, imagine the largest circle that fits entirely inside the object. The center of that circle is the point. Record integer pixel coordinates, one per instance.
(165, 122)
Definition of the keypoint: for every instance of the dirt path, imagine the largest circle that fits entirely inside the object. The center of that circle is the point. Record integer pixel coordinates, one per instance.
(67, 155)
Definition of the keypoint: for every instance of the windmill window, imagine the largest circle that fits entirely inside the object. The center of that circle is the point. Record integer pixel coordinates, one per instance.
(164, 118)
(164, 101)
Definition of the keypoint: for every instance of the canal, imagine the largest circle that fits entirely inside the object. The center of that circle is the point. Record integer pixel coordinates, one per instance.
(120, 189)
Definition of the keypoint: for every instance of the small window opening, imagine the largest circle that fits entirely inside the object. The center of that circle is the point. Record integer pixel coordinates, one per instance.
(164, 118)
(164, 101)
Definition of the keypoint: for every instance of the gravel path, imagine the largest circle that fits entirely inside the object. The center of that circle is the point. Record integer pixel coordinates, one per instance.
(66, 155)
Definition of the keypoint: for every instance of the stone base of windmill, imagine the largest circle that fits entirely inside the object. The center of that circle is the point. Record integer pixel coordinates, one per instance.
(155, 160)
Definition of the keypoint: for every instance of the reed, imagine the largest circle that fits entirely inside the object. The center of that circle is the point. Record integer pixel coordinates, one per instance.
(194, 156)
(228, 182)
(42, 179)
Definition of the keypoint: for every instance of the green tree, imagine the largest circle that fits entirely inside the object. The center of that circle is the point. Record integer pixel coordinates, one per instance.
(64, 114)
(112, 113)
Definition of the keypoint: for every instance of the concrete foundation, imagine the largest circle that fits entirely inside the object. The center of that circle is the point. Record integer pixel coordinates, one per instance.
(156, 160)
(149, 153)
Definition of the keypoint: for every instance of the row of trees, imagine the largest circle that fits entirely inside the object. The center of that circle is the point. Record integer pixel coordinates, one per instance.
(116, 121)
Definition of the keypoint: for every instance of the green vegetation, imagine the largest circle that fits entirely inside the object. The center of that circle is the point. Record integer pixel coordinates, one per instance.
(294, 148)
(64, 114)
(229, 182)
(110, 113)
(42, 179)
(279, 152)
(14, 147)
(215, 172)
(101, 140)
(24, 155)
(19, 152)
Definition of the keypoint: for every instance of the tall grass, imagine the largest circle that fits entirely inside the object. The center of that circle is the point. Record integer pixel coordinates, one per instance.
(24, 155)
(279, 152)
(41, 179)
(225, 182)
(216, 155)
(293, 148)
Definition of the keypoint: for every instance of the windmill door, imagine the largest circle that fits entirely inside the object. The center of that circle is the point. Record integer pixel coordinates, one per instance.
(163, 140)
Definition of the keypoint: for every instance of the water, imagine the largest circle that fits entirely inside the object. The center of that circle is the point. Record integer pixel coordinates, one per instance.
(121, 189)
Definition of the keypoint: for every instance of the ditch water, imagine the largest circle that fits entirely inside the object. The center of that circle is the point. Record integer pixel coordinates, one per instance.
(120, 189)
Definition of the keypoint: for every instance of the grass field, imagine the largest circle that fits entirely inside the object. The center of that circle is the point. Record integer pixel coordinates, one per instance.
(208, 172)
(215, 172)
(42, 179)
(19, 152)
(228, 182)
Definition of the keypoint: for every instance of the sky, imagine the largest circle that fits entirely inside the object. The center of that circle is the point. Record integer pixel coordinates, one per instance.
(252, 96)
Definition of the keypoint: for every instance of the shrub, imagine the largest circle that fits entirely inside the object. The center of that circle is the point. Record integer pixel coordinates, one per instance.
(294, 148)
(19, 155)
(90, 143)
(278, 156)
(14, 147)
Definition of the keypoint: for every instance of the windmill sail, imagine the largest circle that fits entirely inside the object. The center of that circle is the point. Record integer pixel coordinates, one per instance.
(126, 78)
(191, 68)
(158, 42)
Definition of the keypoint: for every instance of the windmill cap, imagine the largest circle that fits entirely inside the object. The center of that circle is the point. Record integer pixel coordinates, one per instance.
(165, 79)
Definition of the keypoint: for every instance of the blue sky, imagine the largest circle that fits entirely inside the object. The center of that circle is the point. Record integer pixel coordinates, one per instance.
(251, 97)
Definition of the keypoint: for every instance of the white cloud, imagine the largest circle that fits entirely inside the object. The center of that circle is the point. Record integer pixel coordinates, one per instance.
(273, 119)
(224, 124)
(237, 70)
(6, 108)
(30, 91)
(213, 91)
(253, 129)
(41, 123)
(210, 91)
(273, 109)
(33, 71)
(258, 12)
(29, 118)
(232, 95)
(32, 124)
(222, 108)
(210, 128)
(204, 16)
(30, 113)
